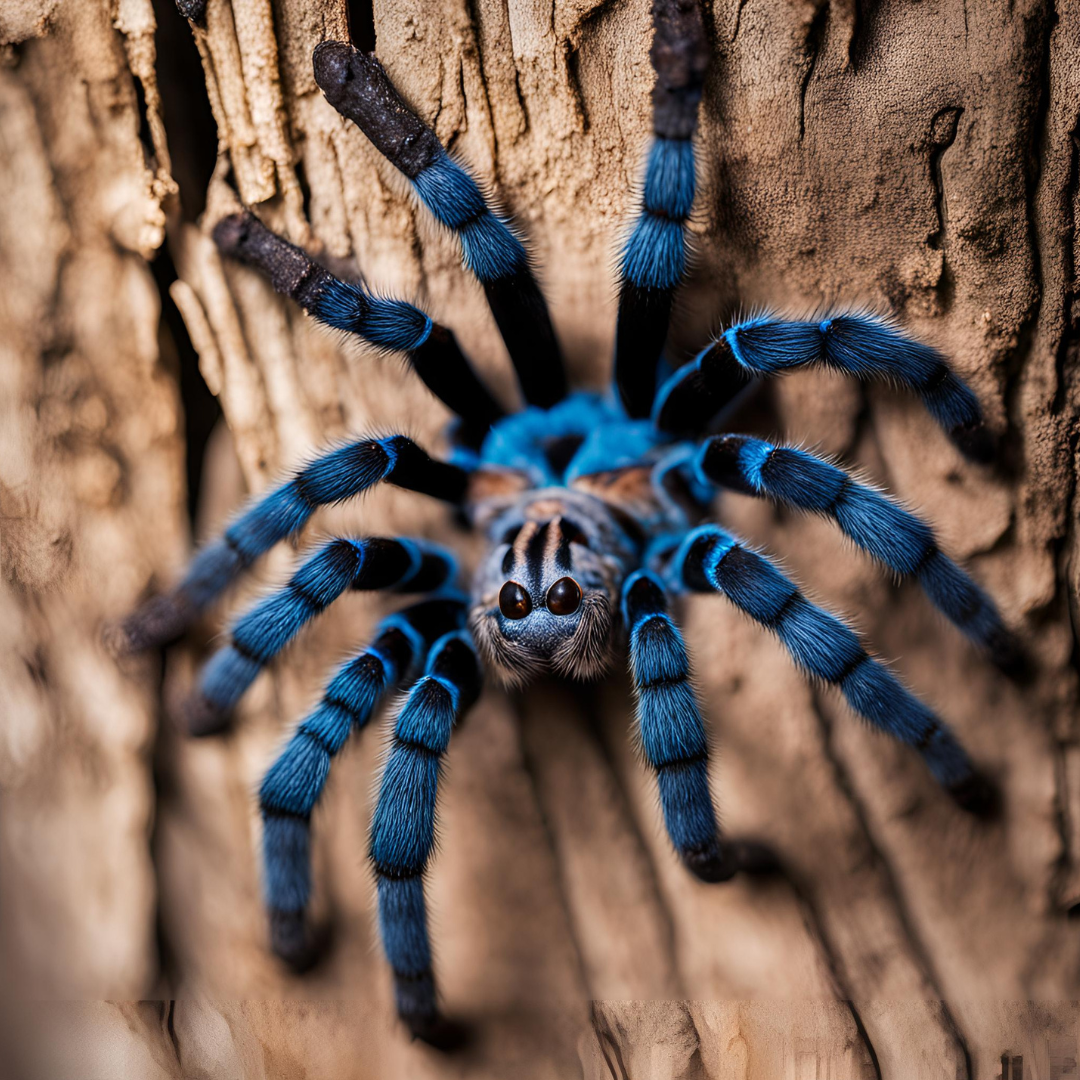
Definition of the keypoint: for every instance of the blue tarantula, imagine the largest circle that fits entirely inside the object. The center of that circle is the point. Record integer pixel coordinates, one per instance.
(594, 508)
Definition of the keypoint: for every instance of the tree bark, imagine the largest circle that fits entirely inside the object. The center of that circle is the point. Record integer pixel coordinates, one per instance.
(921, 159)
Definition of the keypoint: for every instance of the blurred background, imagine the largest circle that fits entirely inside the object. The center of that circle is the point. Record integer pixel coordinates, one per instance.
(918, 158)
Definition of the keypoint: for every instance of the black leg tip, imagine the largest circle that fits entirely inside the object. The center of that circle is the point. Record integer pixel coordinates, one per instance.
(158, 622)
(715, 862)
(439, 1032)
(193, 10)
(231, 232)
(975, 442)
(200, 717)
(979, 796)
(293, 941)
(415, 998)
(332, 63)
(1008, 656)
(709, 863)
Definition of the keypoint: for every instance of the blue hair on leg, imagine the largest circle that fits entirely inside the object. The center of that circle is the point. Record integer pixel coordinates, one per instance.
(500, 262)
(261, 633)
(287, 882)
(491, 249)
(654, 256)
(867, 347)
(284, 511)
(295, 781)
(382, 322)
(338, 475)
(357, 85)
(403, 928)
(954, 593)
(671, 729)
(403, 826)
(876, 523)
(712, 559)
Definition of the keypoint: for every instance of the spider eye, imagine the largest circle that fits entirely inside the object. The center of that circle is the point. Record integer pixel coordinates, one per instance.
(564, 597)
(514, 601)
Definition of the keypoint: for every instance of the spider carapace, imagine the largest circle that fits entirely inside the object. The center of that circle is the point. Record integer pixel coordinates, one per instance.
(595, 508)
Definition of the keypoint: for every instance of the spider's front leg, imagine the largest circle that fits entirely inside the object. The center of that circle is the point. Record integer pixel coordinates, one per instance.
(673, 736)
(357, 85)
(712, 560)
(263, 631)
(403, 828)
(336, 476)
(294, 783)
(385, 323)
(866, 347)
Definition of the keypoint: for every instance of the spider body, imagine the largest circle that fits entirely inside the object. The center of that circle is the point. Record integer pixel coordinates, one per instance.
(595, 509)
(575, 517)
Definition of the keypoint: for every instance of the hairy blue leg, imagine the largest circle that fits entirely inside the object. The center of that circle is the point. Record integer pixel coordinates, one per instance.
(388, 324)
(711, 559)
(403, 827)
(357, 85)
(867, 347)
(263, 631)
(876, 523)
(671, 729)
(654, 256)
(334, 477)
(293, 784)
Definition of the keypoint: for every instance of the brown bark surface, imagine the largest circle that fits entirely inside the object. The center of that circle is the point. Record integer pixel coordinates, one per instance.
(918, 158)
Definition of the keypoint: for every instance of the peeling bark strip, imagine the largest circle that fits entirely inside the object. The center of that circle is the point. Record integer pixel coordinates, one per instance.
(922, 159)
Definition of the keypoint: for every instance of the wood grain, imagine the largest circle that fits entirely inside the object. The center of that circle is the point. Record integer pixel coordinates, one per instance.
(918, 158)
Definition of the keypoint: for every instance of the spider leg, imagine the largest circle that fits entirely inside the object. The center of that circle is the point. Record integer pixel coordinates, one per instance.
(688, 401)
(293, 784)
(712, 560)
(876, 523)
(334, 477)
(864, 346)
(357, 85)
(264, 630)
(403, 826)
(432, 350)
(654, 257)
(671, 729)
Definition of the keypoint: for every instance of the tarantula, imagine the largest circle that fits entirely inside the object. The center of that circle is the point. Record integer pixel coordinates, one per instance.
(595, 512)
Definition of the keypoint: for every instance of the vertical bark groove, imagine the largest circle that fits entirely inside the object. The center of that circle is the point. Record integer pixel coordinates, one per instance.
(921, 159)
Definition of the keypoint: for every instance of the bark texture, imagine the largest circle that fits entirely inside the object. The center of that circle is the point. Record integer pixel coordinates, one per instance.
(919, 158)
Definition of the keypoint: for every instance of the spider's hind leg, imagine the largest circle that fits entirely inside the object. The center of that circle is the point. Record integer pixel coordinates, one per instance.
(673, 737)
(403, 827)
(294, 783)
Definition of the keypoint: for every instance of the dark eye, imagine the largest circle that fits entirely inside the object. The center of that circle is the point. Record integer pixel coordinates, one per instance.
(564, 596)
(514, 601)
